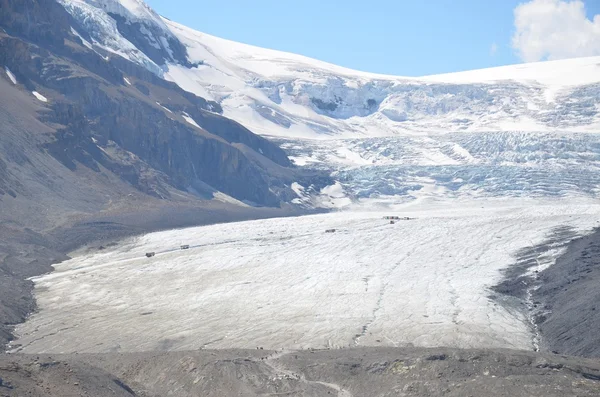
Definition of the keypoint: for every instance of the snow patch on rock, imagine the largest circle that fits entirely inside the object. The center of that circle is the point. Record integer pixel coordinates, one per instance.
(167, 109)
(333, 196)
(39, 96)
(190, 120)
(84, 41)
(10, 75)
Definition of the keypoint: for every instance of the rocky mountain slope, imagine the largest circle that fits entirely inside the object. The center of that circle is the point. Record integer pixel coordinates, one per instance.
(86, 134)
(104, 113)
(345, 373)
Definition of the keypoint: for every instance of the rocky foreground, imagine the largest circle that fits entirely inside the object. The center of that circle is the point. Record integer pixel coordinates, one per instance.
(346, 372)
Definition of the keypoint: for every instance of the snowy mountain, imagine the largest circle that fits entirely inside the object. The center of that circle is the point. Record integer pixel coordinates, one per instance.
(113, 121)
(513, 131)
(275, 93)
(280, 94)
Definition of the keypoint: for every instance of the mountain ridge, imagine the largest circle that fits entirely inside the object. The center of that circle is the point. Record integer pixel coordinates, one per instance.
(276, 93)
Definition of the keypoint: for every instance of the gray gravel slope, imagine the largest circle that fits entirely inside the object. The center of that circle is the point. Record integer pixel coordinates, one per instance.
(346, 373)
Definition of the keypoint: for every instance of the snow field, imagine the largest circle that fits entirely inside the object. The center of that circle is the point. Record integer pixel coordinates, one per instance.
(285, 283)
(287, 95)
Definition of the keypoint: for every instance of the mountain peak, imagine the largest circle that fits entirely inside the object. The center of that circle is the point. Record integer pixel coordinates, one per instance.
(129, 28)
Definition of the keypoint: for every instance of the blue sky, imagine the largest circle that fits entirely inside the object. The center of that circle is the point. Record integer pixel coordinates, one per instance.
(409, 38)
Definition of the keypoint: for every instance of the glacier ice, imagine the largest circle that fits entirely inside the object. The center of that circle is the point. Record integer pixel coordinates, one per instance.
(285, 283)
(483, 165)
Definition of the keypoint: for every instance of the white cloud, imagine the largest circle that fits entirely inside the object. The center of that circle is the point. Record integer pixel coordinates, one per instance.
(493, 49)
(555, 29)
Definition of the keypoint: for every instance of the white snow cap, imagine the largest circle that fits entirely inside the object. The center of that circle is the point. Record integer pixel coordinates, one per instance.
(93, 16)
(281, 94)
(276, 93)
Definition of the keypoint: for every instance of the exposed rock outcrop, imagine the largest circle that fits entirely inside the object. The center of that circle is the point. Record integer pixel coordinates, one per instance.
(152, 119)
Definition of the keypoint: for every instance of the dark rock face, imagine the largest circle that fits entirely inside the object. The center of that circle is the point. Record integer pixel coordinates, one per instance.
(570, 295)
(97, 110)
(40, 21)
(325, 106)
(562, 301)
(233, 132)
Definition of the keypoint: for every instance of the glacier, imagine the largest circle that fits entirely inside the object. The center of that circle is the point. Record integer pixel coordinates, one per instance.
(483, 164)
(285, 283)
(457, 165)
